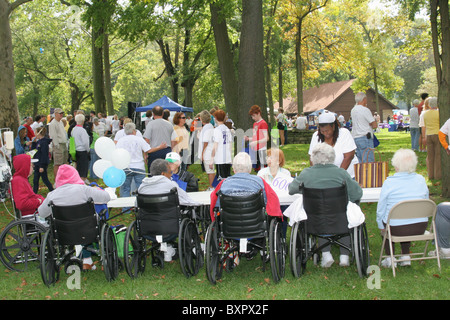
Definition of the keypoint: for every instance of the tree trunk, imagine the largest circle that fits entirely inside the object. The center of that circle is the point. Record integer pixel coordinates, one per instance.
(280, 81)
(442, 62)
(226, 63)
(107, 67)
(299, 67)
(9, 115)
(97, 72)
(251, 88)
(375, 82)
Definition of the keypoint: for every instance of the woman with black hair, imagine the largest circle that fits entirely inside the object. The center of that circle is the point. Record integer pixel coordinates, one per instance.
(340, 139)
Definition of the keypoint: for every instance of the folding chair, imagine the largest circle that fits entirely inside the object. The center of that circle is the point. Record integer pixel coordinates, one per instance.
(411, 209)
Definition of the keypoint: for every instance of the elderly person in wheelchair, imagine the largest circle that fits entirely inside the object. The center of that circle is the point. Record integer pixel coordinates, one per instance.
(243, 183)
(323, 175)
(71, 190)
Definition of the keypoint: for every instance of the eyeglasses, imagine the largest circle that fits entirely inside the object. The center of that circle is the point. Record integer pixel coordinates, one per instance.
(182, 117)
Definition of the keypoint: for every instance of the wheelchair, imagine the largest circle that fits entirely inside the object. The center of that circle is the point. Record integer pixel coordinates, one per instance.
(241, 224)
(70, 227)
(160, 220)
(327, 219)
(20, 242)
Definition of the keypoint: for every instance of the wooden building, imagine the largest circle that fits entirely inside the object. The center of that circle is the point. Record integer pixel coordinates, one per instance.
(337, 97)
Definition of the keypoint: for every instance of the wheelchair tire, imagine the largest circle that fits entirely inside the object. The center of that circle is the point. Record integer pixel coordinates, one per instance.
(277, 250)
(189, 249)
(20, 244)
(109, 255)
(49, 260)
(214, 260)
(134, 252)
(298, 249)
(361, 249)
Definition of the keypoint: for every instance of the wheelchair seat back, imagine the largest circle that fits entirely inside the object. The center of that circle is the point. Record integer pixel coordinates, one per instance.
(75, 225)
(242, 216)
(158, 214)
(326, 210)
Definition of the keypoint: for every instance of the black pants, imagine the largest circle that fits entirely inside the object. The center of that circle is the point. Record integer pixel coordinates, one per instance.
(83, 158)
(44, 176)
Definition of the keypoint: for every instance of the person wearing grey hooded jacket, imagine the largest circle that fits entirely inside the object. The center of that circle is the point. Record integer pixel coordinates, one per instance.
(160, 183)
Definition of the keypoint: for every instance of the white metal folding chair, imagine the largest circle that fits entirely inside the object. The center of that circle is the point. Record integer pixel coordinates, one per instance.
(421, 208)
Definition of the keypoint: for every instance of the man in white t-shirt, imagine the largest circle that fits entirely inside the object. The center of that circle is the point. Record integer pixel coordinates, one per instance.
(301, 123)
(363, 124)
(137, 147)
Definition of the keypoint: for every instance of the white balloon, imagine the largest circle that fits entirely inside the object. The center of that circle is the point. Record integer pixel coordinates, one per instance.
(121, 158)
(104, 148)
(100, 166)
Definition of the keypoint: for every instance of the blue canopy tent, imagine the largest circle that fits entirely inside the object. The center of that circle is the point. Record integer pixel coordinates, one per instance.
(166, 103)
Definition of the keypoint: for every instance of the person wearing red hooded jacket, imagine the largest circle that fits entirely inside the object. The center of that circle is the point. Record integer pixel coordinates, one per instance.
(24, 198)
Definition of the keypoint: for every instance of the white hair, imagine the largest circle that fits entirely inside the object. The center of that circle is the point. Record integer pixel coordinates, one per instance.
(433, 102)
(79, 118)
(360, 96)
(242, 163)
(129, 128)
(416, 102)
(404, 160)
(323, 153)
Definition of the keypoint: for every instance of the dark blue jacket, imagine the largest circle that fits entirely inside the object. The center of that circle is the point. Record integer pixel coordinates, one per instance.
(42, 154)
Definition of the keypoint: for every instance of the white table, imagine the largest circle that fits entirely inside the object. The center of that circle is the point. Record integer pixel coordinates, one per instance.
(203, 197)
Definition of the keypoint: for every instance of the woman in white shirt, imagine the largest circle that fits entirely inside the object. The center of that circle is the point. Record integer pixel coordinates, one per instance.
(222, 148)
(339, 138)
(205, 146)
(275, 163)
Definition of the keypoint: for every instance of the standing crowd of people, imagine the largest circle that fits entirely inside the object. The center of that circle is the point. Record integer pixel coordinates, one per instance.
(162, 153)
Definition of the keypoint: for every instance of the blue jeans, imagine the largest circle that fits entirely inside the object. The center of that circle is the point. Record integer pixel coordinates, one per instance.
(133, 175)
(362, 143)
(415, 134)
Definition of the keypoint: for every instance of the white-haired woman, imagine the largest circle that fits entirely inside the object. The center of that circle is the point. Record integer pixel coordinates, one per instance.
(82, 145)
(242, 183)
(325, 174)
(405, 184)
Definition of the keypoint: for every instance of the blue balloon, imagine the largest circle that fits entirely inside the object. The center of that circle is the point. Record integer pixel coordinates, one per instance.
(114, 177)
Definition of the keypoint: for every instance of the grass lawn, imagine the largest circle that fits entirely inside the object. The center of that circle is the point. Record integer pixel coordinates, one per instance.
(421, 281)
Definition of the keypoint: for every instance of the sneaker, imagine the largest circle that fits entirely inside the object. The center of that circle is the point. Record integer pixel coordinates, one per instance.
(444, 253)
(404, 261)
(327, 260)
(344, 260)
(387, 263)
(210, 189)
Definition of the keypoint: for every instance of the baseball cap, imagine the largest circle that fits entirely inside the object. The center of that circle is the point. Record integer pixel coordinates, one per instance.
(58, 110)
(173, 157)
(327, 117)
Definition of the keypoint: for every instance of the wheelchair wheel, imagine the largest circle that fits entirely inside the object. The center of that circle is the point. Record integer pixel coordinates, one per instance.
(189, 248)
(20, 245)
(49, 260)
(214, 258)
(109, 255)
(298, 249)
(361, 249)
(277, 250)
(134, 252)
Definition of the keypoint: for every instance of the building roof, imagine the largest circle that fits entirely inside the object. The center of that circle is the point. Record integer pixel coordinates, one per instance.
(317, 98)
(322, 97)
